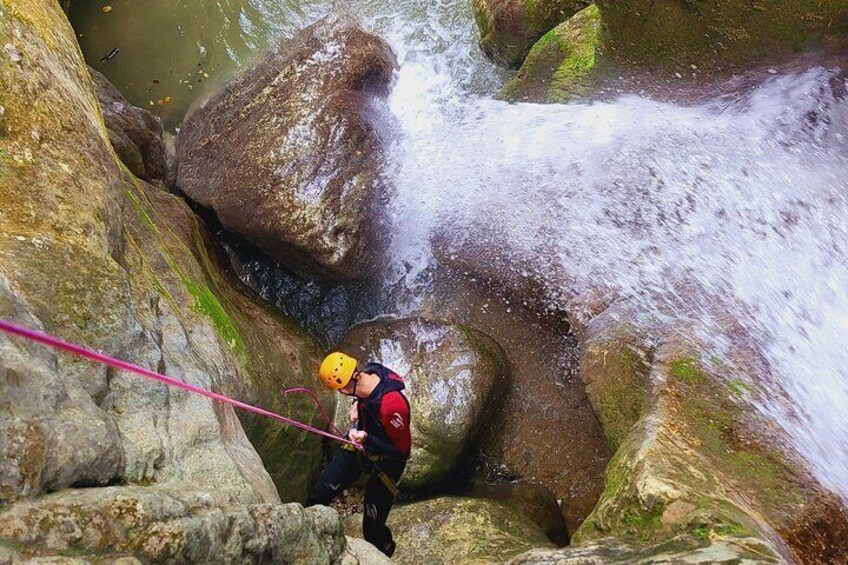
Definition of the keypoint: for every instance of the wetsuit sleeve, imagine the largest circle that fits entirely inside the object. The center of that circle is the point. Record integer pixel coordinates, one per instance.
(394, 416)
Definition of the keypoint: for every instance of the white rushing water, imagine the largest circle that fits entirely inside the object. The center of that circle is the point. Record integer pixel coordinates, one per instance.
(734, 209)
(743, 201)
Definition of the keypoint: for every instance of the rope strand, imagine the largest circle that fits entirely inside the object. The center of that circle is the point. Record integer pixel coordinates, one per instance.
(80, 351)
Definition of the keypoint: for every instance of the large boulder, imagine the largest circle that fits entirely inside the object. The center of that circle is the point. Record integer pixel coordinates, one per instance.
(509, 28)
(458, 530)
(172, 525)
(716, 35)
(668, 46)
(559, 67)
(697, 475)
(98, 257)
(453, 375)
(288, 155)
(135, 133)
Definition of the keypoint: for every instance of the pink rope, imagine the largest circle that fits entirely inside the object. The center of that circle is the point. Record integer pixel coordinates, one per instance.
(311, 393)
(80, 351)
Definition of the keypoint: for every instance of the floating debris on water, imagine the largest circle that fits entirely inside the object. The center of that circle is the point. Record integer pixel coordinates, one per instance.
(110, 55)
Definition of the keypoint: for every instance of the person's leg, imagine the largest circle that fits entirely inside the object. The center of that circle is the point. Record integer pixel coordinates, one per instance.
(342, 471)
(378, 503)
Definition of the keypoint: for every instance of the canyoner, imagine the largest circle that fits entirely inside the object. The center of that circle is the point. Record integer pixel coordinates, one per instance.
(603, 242)
(380, 416)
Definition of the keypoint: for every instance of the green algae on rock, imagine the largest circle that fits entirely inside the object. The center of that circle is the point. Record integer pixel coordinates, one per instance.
(716, 35)
(509, 28)
(559, 65)
(697, 468)
(669, 40)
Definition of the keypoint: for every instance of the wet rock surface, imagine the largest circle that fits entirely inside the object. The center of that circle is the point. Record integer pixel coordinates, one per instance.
(546, 433)
(697, 460)
(179, 525)
(716, 35)
(288, 154)
(559, 67)
(695, 464)
(509, 28)
(135, 134)
(454, 376)
(458, 530)
(740, 551)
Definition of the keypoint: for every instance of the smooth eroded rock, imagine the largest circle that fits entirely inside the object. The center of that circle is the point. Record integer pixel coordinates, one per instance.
(509, 28)
(171, 525)
(288, 155)
(453, 376)
(135, 133)
(459, 530)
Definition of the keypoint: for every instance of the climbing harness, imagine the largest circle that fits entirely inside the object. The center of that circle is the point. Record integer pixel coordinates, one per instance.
(80, 351)
(375, 459)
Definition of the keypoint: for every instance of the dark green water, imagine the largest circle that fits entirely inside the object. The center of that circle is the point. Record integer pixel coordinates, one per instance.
(172, 51)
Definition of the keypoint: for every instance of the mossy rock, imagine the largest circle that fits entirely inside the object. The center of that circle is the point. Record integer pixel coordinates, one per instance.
(94, 255)
(716, 34)
(559, 67)
(697, 467)
(615, 367)
(509, 28)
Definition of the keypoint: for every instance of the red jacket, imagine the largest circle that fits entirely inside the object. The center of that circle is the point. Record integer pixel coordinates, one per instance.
(385, 415)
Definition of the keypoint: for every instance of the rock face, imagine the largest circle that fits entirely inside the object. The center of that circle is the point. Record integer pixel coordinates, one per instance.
(737, 551)
(453, 375)
(160, 526)
(136, 134)
(98, 257)
(509, 28)
(287, 154)
(558, 67)
(668, 45)
(674, 35)
(459, 530)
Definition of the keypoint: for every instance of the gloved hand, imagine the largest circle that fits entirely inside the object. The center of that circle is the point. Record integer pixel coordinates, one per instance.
(357, 436)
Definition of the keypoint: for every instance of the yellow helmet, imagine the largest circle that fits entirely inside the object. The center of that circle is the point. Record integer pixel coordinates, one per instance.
(336, 370)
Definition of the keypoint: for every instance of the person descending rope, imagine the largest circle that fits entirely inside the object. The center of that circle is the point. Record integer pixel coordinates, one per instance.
(380, 419)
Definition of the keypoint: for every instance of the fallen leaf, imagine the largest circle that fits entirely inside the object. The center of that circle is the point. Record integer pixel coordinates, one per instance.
(107, 9)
